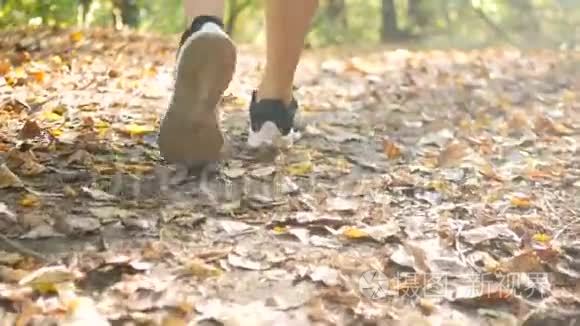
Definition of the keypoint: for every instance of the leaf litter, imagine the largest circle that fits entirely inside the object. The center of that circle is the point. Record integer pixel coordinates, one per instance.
(461, 186)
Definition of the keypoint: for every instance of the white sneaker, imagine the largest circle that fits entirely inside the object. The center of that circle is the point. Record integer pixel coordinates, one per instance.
(190, 132)
(272, 123)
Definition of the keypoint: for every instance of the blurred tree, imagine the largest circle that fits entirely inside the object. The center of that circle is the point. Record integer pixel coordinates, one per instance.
(432, 22)
(390, 27)
(126, 13)
(234, 9)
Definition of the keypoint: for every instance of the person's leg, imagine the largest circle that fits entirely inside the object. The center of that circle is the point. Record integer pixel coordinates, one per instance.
(195, 8)
(190, 133)
(273, 106)
(287, 23)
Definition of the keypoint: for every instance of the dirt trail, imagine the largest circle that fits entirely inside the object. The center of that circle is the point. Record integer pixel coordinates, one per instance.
(428, 187)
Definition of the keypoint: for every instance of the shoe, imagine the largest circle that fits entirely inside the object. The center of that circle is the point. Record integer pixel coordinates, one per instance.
(190, 132)
(272, 123)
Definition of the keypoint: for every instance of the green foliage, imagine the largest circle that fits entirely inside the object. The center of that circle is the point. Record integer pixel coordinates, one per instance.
(434, 22)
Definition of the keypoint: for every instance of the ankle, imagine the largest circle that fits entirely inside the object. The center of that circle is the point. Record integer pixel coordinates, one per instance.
(271, 93)
(199, 21)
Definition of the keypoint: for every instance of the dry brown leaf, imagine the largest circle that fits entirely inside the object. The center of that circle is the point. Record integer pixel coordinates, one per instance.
(200, 269)
(453, 154)
(392, 149)
(9, 179)
(246, 263)
(525, 262)
(30, 130)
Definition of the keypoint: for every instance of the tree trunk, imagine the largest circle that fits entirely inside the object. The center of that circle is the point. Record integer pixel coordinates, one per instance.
(336, 12)
(418, 14)
(130, 13)
(390, 26)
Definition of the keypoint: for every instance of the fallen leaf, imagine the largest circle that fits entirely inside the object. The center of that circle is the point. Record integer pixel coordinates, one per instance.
(339, 204)
(391, 149)
(7, 213)
(30, 130)
(490, 232)
(280, 230)
(45, 278)
(439, 138)
(69, 191)
(97, 194)
(79, 225)
(525, 262)
(11, 275)
(354, 233)
(38, 76)
(5, 67)
(379, 233)
(452, 154)
(9, 179)
(326, 275)
(246, 263)
(234, 173)
(83, 311)
(301, 234)
(80, 156)
(200, 269)
(235, 227)
(300, 168)
(521, 201)
(42, 231)
(76, 36)
(318, 241)
(136, 130)
(263, 171)
(542, 237)
(109, 214)
(29, 200)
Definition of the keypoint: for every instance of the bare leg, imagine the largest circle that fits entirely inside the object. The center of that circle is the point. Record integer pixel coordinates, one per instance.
(287, 23)
(194, 8)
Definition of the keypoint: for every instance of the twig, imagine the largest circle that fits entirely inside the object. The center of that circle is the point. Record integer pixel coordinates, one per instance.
(461, 255)
(559, 233)
(21, 249)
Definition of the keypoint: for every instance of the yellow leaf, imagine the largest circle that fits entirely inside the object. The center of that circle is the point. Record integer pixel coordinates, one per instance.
(542, 237)
(51, 116)
(300, 168)
(56, 132)
(520, 201)
(354, 233)
(137, 130)
(69, 191)
(19, 72)
(201, 269)
(29, 200)
(569, 96)
(76, 36)
(60, 110)
(280, 230)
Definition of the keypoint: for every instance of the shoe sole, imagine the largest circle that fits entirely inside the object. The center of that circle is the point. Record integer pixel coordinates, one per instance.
(270, 136)
(190, 132)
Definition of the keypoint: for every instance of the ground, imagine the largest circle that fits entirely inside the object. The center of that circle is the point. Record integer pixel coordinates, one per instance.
(427, 188)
